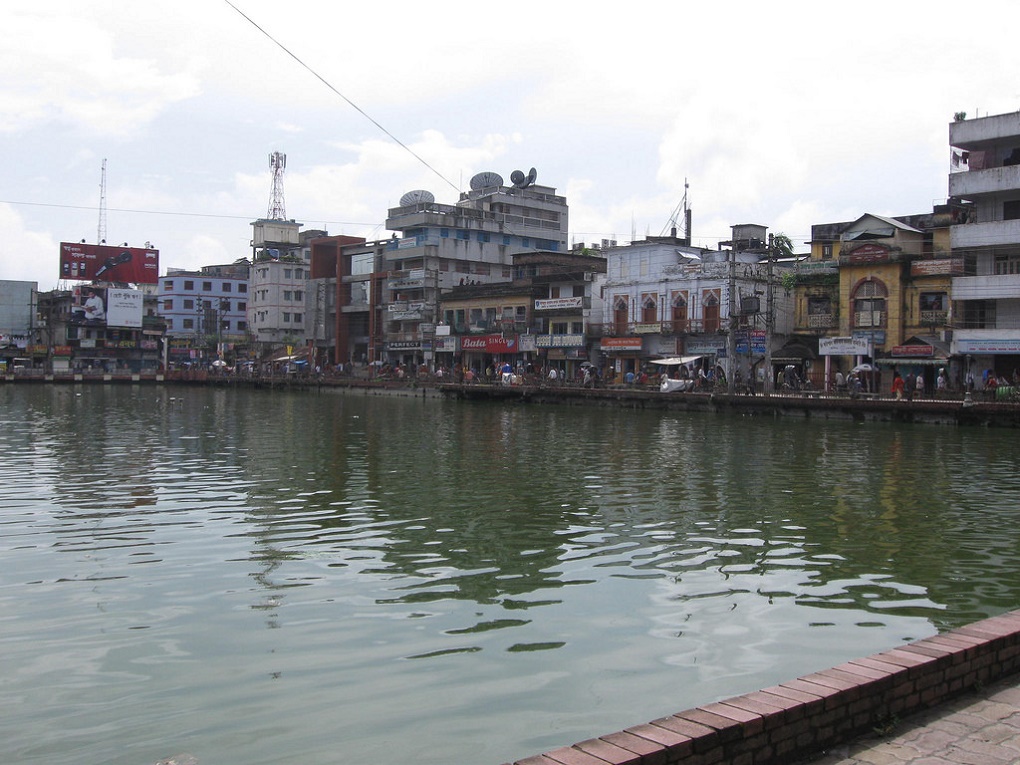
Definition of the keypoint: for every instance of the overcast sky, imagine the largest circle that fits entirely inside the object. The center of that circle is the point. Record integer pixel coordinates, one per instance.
(782, 114)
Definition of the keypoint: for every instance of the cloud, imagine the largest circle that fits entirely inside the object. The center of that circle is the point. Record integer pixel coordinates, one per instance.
(63, 68)
(20, 248)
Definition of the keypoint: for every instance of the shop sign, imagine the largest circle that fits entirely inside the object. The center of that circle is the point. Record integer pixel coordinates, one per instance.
(559, 341)
(844, 346)
(527, 343)
(446, 344)
(1004, 345)
(705, 348)
(405, 345)
(489, 344)
(651, 328)
(868, 253)
(912, 351)
(621, 344)
(938, 267)
(556, 304)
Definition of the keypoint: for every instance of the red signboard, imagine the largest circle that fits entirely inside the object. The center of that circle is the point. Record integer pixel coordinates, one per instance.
(489, 344)
(915, 351)
(101, 262)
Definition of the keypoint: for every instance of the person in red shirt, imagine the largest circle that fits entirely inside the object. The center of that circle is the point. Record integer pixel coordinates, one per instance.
(897, 386)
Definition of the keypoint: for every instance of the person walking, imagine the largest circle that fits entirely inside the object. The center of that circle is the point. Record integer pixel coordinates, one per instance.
(897, 386)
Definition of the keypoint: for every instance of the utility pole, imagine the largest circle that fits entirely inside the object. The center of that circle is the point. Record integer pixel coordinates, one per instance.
(731, 333)
(769, 319)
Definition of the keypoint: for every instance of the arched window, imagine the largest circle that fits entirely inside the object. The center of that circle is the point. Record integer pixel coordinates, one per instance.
(869, 304)
(649, 309)
(710, 310)
(620, 315)
(678, 305)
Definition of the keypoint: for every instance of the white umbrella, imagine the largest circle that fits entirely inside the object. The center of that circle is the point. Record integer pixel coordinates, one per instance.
(863, 368)
(219, 363)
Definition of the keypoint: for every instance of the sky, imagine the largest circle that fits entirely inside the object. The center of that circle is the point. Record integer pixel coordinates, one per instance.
(783, 114)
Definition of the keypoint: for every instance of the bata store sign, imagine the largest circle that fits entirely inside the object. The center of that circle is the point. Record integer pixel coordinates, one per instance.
(489, 344)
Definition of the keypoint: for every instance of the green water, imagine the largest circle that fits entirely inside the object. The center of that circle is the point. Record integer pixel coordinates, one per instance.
(313, 578)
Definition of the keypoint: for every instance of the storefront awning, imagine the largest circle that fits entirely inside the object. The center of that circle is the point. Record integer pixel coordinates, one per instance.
(674, 360)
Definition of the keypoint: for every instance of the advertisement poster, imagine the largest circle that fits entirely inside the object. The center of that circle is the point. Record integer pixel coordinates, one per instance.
(101, 262)
(106, 307)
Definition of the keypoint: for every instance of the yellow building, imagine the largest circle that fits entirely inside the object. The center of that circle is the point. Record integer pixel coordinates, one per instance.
(882, 285)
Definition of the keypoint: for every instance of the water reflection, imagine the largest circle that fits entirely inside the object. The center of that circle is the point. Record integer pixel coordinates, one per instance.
(267, 574)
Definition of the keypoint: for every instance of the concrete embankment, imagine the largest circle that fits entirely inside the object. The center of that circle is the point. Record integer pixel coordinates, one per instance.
(803, 718)
(874, 408)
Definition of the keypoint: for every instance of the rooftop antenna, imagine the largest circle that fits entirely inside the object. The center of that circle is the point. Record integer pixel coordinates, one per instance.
(672, 223)
(101, 229)
(277, 207)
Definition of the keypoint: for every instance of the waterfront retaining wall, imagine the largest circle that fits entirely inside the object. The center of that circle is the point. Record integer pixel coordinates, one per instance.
(806, 716)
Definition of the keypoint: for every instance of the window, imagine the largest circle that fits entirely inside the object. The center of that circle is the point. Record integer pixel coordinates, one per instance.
(188, 324)
(506, 241)
(578, 290)
(299, 295)
(224, 304)
(710, 310)
(297, 318)
(288, 273)
(444, 233)
(620, 314)
(869, 304)
(242, 287)
(242, 325)
(934, 307)
(189, 286)
(559, 327)
(826, 252)
(465, 235)
(242, 306)
(286, 318)
(288, 295)
(168, 285)
(649, 309)
(1011, 209)
(206, 286)
(168, 305)
(169, 324)
(189, 304)
(678, 310)
(299, 273)
(227, 287)
(1007, 264)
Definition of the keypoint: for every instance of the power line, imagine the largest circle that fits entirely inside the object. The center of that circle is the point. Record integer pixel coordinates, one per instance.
(166, 212)
(353, 105)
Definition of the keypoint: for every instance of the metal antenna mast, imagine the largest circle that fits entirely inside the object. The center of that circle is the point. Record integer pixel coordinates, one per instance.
(277, 208)
(101, 230)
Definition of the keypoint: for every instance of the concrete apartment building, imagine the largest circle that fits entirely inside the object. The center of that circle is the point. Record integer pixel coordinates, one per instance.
(984, 189)
(440, 246)
(206, 311)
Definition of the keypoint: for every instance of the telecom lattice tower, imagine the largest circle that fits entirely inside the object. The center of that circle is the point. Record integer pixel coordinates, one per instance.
(101, 228)
(277, 207)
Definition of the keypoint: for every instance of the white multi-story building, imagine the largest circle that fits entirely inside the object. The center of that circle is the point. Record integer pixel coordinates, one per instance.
(984, 190)
(473, 242)
(283, 302)
(665, 298)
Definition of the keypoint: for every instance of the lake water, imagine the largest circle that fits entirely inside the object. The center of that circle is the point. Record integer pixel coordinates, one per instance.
(323, 578)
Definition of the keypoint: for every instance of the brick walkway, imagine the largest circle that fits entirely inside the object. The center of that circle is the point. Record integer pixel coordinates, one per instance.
(976, 729)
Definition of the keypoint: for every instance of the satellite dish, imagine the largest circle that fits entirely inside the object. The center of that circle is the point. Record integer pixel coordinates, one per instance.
(486, 180)
(522, 181)
(418, 196)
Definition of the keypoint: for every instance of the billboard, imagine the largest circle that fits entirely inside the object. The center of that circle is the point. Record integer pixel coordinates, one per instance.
(102, 307)
(101, 262)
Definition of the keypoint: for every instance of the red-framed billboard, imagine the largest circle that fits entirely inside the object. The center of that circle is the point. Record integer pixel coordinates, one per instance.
(101, 262)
